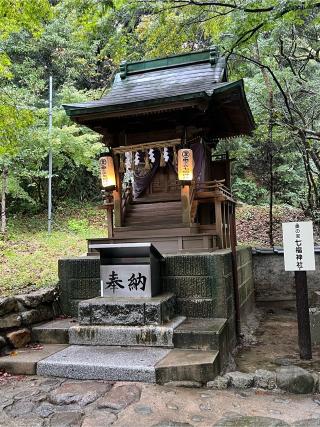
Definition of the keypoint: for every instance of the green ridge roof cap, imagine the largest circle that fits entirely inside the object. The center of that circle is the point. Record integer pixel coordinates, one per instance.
(209, 55)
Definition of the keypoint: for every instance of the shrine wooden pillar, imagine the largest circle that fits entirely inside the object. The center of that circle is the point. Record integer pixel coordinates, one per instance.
(185, 204)
(219, 221)
(117, 195)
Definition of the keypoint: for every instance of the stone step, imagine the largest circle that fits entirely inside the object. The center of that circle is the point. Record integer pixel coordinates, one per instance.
(53, 332)
(127, 311)
(25, 360)
(103, 363)
(188, 365)
(147, 335)
(203, 334)
(131, 364)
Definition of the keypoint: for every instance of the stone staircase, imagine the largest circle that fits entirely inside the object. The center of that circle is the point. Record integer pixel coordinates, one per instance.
(136, 339)
(183, 334)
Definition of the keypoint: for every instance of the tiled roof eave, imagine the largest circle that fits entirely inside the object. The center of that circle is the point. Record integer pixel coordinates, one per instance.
(164, 103)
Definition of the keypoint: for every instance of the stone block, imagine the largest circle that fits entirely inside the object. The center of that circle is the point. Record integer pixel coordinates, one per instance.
(244, 255)
(10, 321)
(82, 288)
(25, 361)
(41, 313)
(189, 286)
(81, 267)
(314, 314)
(66, 418)
(314, 298)
(196, 307)
(104, 311)
(200, 334)
(219, 383)
(19, 338)
(81, 393)
(264, 379)
(295, 379)
(146, 335)
(127, 311)
(34, 299)
(194, 265)
(54, 332)
(120, 397)
(184, 384)
(242, 294)
(7, 305)
(240, 380)
(228, 281)
(99, 418)
(104, 363)
(79, 279)
(69, 307)
(3, 342)
(188, 365)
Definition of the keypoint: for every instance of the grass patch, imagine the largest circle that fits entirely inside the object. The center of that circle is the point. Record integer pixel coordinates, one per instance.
(29, 256)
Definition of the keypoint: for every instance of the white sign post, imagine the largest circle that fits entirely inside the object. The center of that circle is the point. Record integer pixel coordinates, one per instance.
(299, 257)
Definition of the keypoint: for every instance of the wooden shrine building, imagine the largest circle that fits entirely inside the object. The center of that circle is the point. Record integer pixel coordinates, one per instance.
(154, 109)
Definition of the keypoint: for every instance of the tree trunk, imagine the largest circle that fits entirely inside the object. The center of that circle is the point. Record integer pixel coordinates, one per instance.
(271, 192)
(3, 200)
(270, 147)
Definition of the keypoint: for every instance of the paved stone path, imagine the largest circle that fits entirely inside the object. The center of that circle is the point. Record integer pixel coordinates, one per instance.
(39, 401)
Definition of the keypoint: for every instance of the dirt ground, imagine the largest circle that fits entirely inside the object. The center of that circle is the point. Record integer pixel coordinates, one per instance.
(276, 343)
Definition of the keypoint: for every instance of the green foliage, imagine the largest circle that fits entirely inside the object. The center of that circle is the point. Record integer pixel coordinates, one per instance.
(29, 257)
(248, 191)
(82, 42)
(78, 225)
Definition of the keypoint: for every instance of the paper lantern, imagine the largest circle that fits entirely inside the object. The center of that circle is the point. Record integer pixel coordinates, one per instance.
(185, 164)
(108, 177)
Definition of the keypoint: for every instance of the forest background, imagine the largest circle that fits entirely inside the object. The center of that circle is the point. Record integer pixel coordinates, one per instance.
(274, 45)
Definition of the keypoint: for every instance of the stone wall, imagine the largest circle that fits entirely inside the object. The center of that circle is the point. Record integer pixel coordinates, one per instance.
(202, 283)
(18, 313)
(245, 281)
(79, 279)
(273, 284)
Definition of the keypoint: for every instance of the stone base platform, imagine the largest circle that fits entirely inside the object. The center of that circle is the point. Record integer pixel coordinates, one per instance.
(25, 361)
(103, 363)
(131, 364)
(146, 335)
(127, 311)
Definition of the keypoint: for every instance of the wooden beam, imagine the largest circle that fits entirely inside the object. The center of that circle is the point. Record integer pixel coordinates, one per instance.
(147, 146)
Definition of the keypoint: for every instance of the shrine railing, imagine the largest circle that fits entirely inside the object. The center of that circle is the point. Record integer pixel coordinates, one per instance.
(217, 188)
(215, 193)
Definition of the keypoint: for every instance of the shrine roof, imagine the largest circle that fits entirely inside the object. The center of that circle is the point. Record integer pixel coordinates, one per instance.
(166, 83)
(159, 79)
